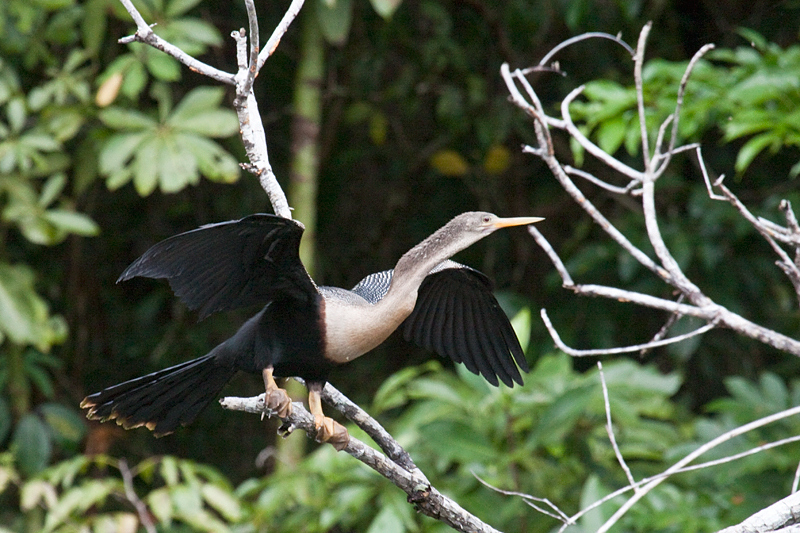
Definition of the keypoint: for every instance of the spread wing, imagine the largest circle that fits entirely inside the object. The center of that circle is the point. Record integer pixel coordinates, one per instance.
(231, 264)
(457, 316)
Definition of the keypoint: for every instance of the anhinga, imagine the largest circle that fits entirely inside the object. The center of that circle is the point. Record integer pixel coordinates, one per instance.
(305, 330)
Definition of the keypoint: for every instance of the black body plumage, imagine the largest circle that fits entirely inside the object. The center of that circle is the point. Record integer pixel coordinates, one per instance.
(255, 261)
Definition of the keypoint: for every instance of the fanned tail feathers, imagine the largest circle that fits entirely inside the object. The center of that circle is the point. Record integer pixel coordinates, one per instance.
(164, 400)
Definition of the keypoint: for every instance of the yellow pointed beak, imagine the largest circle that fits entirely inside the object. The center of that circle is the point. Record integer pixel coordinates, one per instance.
(516, 221)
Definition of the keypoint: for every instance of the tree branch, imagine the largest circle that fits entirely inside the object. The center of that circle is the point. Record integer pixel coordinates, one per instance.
(421, 494)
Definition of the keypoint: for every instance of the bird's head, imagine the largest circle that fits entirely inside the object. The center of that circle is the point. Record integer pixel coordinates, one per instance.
(482, 224)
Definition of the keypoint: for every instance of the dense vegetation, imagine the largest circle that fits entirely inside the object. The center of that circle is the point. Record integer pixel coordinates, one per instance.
(107, 148)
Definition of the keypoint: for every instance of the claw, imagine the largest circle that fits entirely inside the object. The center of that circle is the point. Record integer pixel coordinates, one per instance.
(328, 429)
(332, 432)
(276, 399)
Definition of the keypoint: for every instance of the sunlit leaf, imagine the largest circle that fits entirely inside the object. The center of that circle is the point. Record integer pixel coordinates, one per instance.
(385, 8)
(497, 159)
(449, 163)
(72, 222)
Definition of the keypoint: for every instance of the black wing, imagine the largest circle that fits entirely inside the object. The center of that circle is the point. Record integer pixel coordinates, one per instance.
(457, 316)
(231, 264)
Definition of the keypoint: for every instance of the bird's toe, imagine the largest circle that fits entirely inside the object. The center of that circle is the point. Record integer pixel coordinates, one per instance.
(277, 402)
(331, 431)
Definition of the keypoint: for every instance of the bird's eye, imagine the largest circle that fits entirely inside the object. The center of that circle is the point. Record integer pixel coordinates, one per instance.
(486, 219)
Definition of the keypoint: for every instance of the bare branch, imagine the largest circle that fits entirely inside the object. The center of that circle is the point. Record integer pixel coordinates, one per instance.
(130, 494)
(676, 115)
(725, 437)
(377, 433)
(610, 429)
(584, 36)
(637, 77)
(144, 34)
(776, 517)
(425, 498)
(278, 33)
(624, 349)
(588, 145)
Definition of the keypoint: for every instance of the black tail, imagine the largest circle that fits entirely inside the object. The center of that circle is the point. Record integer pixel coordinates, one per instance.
(164, 400)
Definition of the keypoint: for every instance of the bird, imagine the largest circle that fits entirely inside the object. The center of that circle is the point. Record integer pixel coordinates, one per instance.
(306, 330)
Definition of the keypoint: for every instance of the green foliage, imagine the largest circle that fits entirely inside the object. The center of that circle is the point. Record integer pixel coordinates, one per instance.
(53, 140)
(102, 494)
(172, 152)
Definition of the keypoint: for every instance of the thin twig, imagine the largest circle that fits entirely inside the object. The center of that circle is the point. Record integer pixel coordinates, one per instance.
(676, 114)
(610, 428)
(624, 349)
(557, 513)
(590, 35)
(133, 498)
(278, 33)
(250, 70)
(144, 34)
(725, 437)
(637, 77)
(600, 183)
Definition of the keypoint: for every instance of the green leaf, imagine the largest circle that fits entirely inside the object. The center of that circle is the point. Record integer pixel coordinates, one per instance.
(75, 501)
(214, 162)
(31, 444)
(611, 133)
(176, 8)
(211, 123)
(387, 521)
(23, 314)
(197, 101)
(160, 504)
(145, 167)
(126, 119)
(66, 424)
(118, 150)
(385, 8)
(752, 148)
(162, 66)
(72, 222)
(15, 110)
(52, 189)
(561, 415)
(334, 20)
(198, 31)
(459, 442)
(222, 501)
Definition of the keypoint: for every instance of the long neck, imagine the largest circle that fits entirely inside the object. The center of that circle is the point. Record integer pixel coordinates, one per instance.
(352, 330)
(415, 264)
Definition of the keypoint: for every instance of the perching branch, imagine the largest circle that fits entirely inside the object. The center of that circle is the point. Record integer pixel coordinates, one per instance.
(421, 494)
